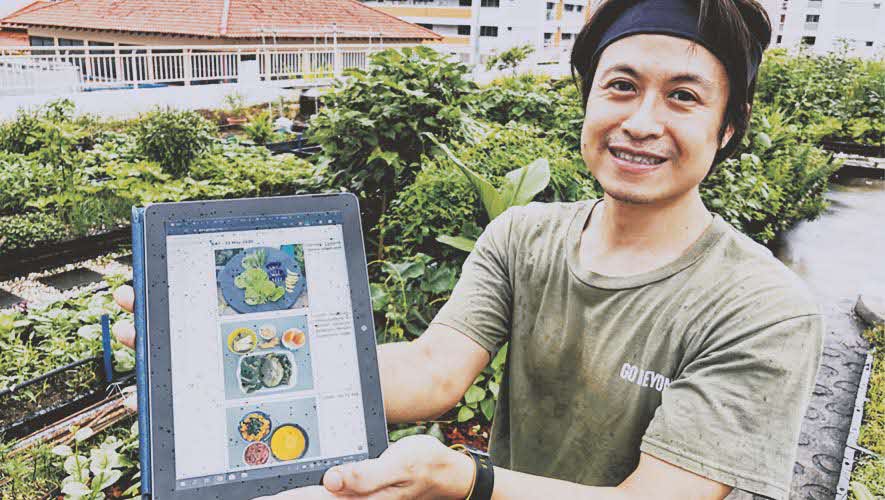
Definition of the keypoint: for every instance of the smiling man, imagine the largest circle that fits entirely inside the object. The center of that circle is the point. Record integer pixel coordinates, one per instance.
(655, 352)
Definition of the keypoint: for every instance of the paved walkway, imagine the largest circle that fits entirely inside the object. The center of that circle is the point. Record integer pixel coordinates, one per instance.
(839, 255)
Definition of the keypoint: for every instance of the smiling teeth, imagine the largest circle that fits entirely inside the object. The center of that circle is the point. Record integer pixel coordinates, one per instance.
(644, 160)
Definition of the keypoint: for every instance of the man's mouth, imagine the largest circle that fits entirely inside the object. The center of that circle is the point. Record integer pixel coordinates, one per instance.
(641, 159)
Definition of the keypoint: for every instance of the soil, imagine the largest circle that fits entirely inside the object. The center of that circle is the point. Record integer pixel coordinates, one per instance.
(468, 433)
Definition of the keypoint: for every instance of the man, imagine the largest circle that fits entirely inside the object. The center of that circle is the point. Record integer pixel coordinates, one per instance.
(655, 352)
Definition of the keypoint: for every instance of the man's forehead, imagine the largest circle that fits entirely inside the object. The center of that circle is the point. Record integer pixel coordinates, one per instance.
(662, 56)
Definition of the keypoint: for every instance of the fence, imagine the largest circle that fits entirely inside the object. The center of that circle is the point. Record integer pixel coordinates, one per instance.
(34, 70)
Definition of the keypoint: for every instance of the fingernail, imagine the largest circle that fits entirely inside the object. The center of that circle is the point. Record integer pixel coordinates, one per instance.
(333, 480)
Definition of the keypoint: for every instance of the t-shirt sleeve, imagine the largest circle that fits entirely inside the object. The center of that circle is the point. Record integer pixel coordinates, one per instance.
(480, 305)
(734, 412)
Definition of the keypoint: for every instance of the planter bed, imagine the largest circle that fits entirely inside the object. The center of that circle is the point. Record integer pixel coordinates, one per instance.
(31, 405)
(854, 148)
(23, 261)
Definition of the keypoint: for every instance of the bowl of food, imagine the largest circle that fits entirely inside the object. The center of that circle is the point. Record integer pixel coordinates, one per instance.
(294, 338)
(256, 454)
(255, 426)
(242, 340)
(289, 442)
(267, 371)
(267, 331)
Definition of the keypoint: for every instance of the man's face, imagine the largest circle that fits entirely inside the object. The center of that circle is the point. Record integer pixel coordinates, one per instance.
(654, 111)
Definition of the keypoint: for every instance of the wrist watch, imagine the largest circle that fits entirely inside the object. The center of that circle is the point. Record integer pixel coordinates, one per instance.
(484, 473)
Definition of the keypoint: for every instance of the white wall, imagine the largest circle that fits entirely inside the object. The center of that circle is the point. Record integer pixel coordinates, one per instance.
(124, 104)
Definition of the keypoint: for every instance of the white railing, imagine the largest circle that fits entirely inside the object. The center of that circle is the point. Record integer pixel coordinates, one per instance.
(28, 70)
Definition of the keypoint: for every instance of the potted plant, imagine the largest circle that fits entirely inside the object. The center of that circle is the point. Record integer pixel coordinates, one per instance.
(236, 108)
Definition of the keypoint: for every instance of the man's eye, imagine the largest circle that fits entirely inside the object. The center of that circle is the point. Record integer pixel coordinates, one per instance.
(621, 86)
(684, 96)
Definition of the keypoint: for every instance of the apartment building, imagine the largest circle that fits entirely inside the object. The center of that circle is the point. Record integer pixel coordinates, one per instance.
(824, 25)
(476, 29)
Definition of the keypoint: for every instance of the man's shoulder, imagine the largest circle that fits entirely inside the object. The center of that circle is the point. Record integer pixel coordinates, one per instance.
(544, 217)
(749, 273)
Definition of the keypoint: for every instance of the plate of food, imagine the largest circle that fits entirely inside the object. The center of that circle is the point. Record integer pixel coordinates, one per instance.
(294, 338)
(261, 279)
(266, 371)
(256, 454)
(255, 426)
(289, 442)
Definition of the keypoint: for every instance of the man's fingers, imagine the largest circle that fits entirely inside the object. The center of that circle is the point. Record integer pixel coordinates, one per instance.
(308, 493)
(362, 478)
(125, 333)
(125, 297)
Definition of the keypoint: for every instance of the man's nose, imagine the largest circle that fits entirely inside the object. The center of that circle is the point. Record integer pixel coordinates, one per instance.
(643, 122)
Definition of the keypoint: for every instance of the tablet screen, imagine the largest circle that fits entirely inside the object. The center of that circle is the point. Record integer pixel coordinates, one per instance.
(265, 377)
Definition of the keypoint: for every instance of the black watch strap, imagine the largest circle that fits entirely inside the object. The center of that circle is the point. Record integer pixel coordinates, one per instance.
(484, 483)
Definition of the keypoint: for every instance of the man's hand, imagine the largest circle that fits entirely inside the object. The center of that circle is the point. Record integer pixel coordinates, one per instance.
(414, 467)
(125, 330)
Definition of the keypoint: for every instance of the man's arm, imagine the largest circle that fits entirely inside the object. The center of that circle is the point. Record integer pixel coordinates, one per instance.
(422, 467)
(426, 377)
(652, 479)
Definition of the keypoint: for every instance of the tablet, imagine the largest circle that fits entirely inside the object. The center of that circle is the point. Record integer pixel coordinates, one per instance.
(257, 364)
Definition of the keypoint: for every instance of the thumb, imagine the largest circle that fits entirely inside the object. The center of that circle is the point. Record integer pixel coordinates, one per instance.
(363, 478)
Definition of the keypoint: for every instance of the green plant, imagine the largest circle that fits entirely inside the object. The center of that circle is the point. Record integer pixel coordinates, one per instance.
(510, 58)
(30, 229)
(520, 186)
(174, 139)
(236, 103)
(260, 128)
(408, 293)
(371, 129)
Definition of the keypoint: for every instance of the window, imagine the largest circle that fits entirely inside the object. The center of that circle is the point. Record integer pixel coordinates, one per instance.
(779, 38)
(783, 17)
(579, 8)
(870, 43)
(548, 36)
(465, 3)
(566, 36)
(41, 41)
(549, 5)
(67, 42)
(490, 3)
(424, 25)
(488, 30)
(808, 40)
(569, 7)
(463, 29)
(812, 18)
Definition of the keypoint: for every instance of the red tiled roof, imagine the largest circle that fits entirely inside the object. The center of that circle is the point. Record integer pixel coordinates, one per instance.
(220, 18)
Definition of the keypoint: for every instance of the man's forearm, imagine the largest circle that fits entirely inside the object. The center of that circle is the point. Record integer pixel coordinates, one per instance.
(412, 389)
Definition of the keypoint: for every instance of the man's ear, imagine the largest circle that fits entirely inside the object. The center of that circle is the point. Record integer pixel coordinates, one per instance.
(729, 130)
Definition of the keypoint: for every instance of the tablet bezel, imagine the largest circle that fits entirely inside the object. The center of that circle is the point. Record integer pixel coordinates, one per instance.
(159, 355)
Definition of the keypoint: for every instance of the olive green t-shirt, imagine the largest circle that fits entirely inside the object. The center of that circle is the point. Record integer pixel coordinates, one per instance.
(707, 363)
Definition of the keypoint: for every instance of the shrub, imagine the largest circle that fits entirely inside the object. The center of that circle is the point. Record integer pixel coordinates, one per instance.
(834, 96)
(370, 129)
(30, 229)
(442, 201)
(775, 181)
(260, 128)
(174, 139)
(22, 178)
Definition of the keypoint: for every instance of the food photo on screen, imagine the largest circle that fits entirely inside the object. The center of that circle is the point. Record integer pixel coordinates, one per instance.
(267, 355)
(260, 279)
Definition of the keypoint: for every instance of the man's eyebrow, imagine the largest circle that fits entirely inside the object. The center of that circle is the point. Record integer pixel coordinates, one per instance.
(693, 78)
(679, 78)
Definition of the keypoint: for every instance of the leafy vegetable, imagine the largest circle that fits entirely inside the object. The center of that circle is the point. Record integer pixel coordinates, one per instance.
(256, 282)
(265, 372)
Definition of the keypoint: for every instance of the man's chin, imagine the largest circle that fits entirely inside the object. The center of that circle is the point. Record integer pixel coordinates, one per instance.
(631, 198)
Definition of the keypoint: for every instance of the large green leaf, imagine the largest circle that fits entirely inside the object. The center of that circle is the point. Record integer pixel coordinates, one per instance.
(523, 184)
(459, 242)
(491, 200)
(465, 414)
(474, 394)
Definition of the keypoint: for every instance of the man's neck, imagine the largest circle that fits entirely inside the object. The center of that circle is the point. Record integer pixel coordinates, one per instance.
(623, 239)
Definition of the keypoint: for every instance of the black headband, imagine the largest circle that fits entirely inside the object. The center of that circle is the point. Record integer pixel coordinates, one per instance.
(677, 18)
